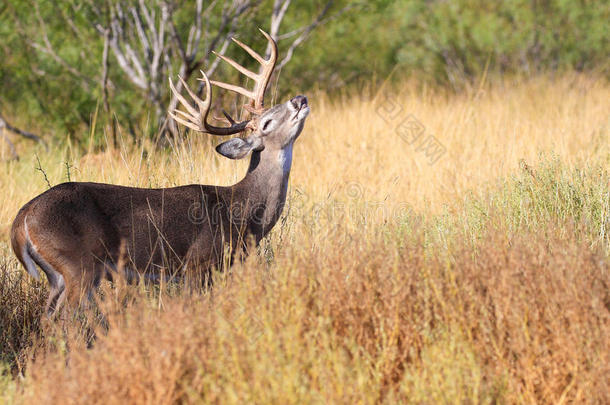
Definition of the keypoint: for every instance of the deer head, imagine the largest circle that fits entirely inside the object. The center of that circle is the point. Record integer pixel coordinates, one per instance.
(274, 128)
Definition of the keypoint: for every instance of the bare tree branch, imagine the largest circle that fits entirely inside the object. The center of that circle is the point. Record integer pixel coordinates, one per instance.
(21, 132)
(142, 35)
(306, 30)
(277, 16)
(104, 85)
(11, 146)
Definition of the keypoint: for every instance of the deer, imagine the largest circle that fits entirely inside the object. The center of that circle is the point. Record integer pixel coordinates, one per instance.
(80, 233)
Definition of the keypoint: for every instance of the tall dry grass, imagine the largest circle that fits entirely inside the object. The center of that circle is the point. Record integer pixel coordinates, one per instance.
(482, 278)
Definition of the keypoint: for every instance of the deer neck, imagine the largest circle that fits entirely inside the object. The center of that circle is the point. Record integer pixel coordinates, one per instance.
(265, 187)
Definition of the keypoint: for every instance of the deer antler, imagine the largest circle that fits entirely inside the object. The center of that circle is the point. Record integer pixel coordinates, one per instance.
(261, 79)
(197, 118)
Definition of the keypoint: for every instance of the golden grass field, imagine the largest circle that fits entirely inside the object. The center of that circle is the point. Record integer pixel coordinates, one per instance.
(481, 278)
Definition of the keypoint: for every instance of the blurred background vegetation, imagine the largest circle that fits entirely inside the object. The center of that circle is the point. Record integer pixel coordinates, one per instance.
(62, 76)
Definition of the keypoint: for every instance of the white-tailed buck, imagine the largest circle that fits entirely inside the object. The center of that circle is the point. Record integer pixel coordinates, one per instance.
(81, 233)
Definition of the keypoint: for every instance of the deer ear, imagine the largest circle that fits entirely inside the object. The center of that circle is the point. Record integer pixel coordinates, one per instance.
(238, 148)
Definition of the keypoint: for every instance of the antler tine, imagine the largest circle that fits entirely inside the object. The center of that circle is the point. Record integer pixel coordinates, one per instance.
(250, 51)
(193, 118)
(268, 67)
(182, 100)
(261, 79)
(236, 89)
(236, 65)
(197, 119)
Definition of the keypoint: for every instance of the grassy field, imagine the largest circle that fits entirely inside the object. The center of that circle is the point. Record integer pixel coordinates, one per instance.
(471, 270)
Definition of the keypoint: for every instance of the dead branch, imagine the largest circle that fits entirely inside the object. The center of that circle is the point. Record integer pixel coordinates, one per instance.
(11, 146)
(26, 134)
(303, 32)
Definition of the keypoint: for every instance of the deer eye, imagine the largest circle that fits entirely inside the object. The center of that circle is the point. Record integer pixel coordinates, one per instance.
(266, 124)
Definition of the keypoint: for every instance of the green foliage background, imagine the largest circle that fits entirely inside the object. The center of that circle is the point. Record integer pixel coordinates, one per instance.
(448, 43)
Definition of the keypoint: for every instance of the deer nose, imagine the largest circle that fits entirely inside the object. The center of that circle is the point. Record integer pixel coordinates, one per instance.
(299, 101)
